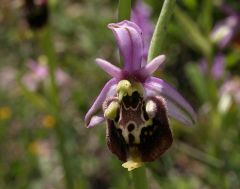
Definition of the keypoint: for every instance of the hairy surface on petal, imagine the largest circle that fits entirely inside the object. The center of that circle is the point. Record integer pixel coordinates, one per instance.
(130, 41)
(140, 130)
(109, 68)
(108, 90)
(177, 106)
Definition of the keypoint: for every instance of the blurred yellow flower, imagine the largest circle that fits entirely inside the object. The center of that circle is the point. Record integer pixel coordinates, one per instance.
(5, 112)
(34, 148)
(48, 121)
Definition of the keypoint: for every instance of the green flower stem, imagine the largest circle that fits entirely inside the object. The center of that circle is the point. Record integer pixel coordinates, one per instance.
(46, 43)
(157, 41)
(124, 10)
(124, 13)
(48, 48)
(206, 16)
(138, 178)
(59, 130)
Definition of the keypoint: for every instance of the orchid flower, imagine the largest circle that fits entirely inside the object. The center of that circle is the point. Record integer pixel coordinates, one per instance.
(38, 73)
(136, 105)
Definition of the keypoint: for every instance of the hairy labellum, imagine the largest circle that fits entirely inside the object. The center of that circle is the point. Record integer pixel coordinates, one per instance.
(140, 128)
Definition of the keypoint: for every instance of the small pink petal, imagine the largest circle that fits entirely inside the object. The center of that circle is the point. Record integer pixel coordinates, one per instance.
(151, 67)
(108, 90)
(95, 120)
(109, 68)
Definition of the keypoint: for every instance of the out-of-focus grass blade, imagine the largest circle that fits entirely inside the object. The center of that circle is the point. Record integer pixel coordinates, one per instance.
(205, 16)
(200, 155)
(198, 81)
(36, 99)
(191, 4)
(53, 3)
(124, 10)
(233, 58)
(192, 32)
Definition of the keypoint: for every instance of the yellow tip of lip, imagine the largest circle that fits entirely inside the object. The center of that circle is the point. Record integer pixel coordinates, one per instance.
(131, 165)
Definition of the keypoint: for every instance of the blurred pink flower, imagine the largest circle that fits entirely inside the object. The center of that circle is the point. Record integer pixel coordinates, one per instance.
(217, 68)
(140, 15)
(232, 88)
(227, 30)
(38, 74)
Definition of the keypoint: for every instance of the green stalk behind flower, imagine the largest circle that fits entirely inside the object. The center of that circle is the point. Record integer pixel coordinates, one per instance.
(157, 41)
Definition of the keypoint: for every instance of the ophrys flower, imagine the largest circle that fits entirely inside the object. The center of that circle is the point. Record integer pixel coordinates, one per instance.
(136, 105)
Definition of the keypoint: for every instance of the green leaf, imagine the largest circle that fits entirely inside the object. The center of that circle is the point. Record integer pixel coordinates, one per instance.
(159, 34)
(205, 16)
(198, 81)
(192, 32)
(191, 4)
(35, 98)
(233, 58)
